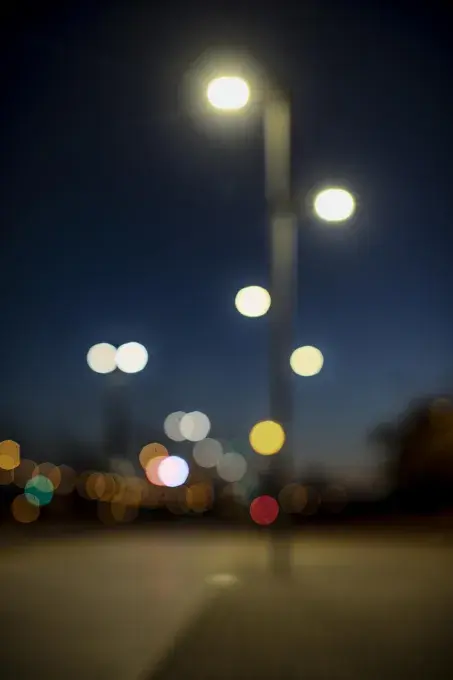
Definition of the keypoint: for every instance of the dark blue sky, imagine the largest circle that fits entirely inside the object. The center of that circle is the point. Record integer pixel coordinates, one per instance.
(128, 220)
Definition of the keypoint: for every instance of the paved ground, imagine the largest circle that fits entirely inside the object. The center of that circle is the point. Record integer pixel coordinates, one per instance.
(121, 606)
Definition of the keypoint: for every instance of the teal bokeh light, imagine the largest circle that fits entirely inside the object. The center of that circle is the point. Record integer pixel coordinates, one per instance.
(39, 490)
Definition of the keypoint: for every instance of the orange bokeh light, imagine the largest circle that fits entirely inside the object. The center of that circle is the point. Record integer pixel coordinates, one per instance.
(151, 451)
(152, 470)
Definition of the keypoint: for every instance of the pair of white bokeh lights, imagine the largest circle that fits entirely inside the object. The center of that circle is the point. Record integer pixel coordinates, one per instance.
(334, 205)
(104, 358)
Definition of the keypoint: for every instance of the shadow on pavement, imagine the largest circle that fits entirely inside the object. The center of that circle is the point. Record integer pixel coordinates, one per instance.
(313, 629)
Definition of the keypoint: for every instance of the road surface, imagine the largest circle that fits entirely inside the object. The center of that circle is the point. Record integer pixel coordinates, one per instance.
(175, 604)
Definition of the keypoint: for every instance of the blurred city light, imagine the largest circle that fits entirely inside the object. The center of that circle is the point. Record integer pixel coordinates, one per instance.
(67, 480)
(313, 501)
(232, 467)
(293, 498)
(264, 510)
(267, 437)
(6, 477)
(228, 93)
(172, 426)
(39, 490)
(9, 455)
(199, 497)
(173, 471)
(101, 358)
(253, 301)
(24, 472)
(334, 205)
(49, 470)
(207, 453)
(23, 511)
(194, 426)
(152, 470)
(96, 486)
(307, 361)
(151, 451)
(131, 357)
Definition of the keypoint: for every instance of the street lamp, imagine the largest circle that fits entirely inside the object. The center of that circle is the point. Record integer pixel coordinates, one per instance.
(253, 301)
(228, 93)
(106, 359)
(333, 205)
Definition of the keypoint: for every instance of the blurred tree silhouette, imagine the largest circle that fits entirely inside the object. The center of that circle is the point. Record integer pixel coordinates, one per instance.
(418, 452)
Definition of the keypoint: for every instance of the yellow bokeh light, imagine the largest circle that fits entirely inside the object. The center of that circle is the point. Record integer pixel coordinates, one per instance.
(9, 455)
(267, 437)
(253, 301)
(307, 361)
(228, 93)
(334, 205)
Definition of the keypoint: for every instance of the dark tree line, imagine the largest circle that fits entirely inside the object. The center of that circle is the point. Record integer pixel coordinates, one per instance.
(418, 453)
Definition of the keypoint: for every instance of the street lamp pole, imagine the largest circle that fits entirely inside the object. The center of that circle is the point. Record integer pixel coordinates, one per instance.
(333, 205)
(283, 268)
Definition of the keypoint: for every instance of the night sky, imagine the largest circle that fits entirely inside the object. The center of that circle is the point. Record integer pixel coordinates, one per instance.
(130, 218)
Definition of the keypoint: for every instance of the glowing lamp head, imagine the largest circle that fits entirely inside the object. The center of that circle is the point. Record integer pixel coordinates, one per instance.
(253, 301)
(307, 361)
(334, 205)
(228, 93)
(131, 357)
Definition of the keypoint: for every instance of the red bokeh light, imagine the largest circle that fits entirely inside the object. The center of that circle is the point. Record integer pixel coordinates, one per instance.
(264, 510)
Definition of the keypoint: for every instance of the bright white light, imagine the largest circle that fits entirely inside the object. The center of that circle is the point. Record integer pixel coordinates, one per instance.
(307, 361)
(334, 205)
(101, 358)
(131, 357)
(228, 93)
(253, 301)
(207, 453)
(173, 471)
(232, 467)
(195, 426)
(172, 426)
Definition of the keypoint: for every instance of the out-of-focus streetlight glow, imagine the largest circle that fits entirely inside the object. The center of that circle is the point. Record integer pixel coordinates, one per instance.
(307, 361)
(173, 471)
(172, 426)
(131, 357)
(253, 301)
(101, 358)
(334, 205)
(152, 470)
(232, 467)
(207, 453)
(267, 437)
(9, 455)
(151, 451)
(194, 426)
(264, 510)
(228, 93)
(39, 490)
